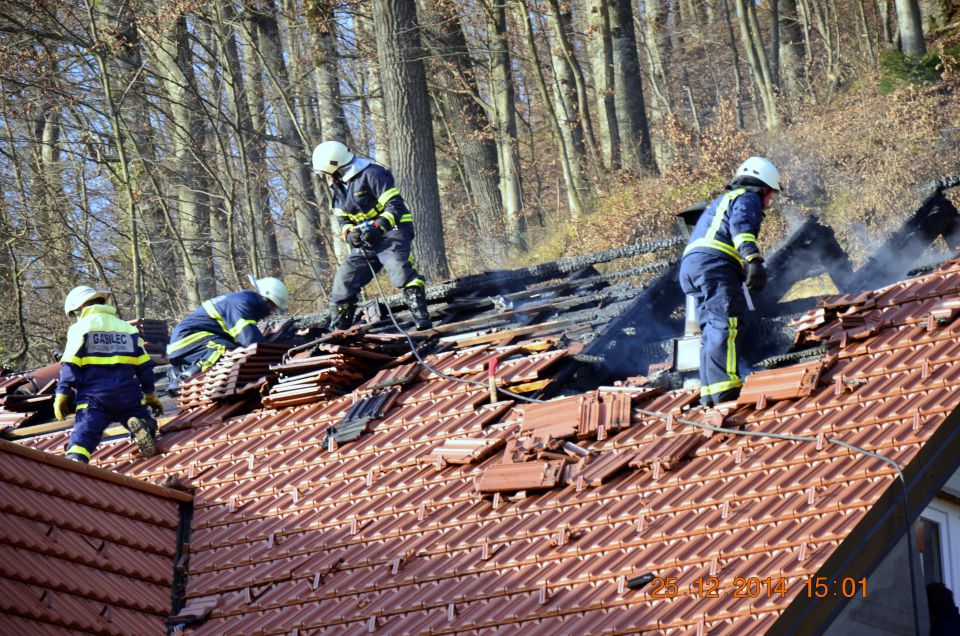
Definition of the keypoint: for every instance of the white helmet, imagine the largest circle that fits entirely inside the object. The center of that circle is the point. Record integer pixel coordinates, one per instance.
(762, 170)
(80, 296)
(330, 156)
(275, 291)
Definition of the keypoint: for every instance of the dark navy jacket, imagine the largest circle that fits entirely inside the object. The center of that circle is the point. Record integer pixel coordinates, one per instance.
(729, 227)
(105, 359)
(229, 319)
(369, 195)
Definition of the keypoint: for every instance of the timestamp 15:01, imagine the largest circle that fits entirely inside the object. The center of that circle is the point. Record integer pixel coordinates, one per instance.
(755, 587)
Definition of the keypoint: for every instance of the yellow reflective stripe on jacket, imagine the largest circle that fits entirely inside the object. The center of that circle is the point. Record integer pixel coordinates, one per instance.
(80, 450)
(141, 359)
(187, 340)
(239, 326)
(386, 196)
(740, 239)
(359, 217)
(709, 239)
(721, 212)
(388, 215)
(727, 249)
(235, 330)
(406, 218)
(374, 212)
(214, 313)
(80, 407)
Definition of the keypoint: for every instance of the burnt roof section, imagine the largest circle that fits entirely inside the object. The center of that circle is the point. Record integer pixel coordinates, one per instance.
(449, 514)
(83, 549)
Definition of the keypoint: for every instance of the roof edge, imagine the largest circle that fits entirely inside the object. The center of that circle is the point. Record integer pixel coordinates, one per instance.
(880, 529)
(93, 471)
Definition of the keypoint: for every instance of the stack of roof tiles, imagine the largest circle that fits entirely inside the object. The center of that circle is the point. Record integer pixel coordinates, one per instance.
(322, 371)
(82, 550)
(451, 515)
(154, 334)
(26, 398)
(239, 371)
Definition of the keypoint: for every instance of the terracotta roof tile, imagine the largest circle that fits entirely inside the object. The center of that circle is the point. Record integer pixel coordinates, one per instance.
(380, 535)
(82, 549)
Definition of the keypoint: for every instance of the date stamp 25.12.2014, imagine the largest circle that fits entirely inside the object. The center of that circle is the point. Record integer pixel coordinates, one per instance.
(756, 587)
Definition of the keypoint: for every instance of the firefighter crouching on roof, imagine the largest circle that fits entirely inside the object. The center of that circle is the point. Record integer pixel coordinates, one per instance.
(721, 255)
(105, 365)
(376, 223)
(221, 324)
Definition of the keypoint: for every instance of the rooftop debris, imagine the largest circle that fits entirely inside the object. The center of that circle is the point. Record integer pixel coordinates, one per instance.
(154, 333)
(27, 398)
(239, 371)
(550, 510)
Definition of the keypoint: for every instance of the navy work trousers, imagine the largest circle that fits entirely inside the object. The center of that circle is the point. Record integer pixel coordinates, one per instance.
(93, 417)
(715, 282)
(393, 253)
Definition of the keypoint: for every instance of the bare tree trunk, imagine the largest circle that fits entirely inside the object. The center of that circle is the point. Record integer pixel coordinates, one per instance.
(911, 27)
(630, 105)
(571, 123)
(866, 41)
(505, 124)
(654, 21)
(600, 46)
(119, 27)
(469, 126)
(257, 149)
(412, 148)
(293, 141)
(737, 80)
(936, 14)
(561, 28)
(264, 258)
(883, 9)
(571, 169)
(792, 51)
(775, 42)
(373, 96)
(188, 135)
(759, 64)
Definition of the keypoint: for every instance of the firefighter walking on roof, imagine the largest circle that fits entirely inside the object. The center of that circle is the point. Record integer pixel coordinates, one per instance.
(376, 223)
(722, 254)
(106, 367)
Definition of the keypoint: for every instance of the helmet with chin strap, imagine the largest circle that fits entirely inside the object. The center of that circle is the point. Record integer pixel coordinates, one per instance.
(758, 170)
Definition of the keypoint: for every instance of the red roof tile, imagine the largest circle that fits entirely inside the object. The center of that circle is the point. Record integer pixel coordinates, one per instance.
(82, 549)
(378, 535)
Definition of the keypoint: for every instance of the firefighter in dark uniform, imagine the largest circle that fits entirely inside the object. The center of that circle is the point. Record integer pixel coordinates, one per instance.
(106, 367)
(221, 324)
(722, 254)
(376, 223)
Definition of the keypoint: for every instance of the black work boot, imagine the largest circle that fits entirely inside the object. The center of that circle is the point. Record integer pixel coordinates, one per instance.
(341, 316)
(416, 300)
(144, 433)
(78, 457)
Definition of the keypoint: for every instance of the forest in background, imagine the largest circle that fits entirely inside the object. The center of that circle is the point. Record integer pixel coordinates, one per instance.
(162, 149)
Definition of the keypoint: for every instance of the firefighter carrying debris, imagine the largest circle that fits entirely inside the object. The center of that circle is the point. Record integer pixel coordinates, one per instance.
(105, 365)
(221, 324)
(378, 226)
(722, 254)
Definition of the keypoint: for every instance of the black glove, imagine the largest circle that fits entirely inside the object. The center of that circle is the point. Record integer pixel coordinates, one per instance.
(756, 275)
(353, 238)
(374, 232)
